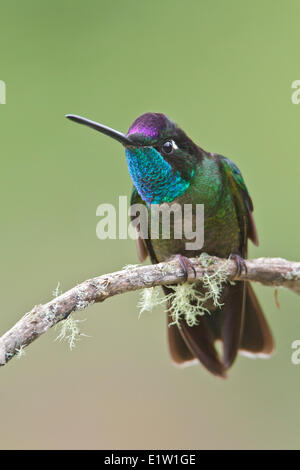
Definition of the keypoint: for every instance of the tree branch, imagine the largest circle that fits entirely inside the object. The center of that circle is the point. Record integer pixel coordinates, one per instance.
(268, 271)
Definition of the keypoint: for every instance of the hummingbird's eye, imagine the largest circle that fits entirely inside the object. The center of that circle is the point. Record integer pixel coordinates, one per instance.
(169, 146)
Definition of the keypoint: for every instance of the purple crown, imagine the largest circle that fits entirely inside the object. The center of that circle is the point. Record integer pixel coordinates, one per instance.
(149, 125)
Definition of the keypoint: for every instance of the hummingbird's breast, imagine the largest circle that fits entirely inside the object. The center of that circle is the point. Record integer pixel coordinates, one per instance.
(220, 227)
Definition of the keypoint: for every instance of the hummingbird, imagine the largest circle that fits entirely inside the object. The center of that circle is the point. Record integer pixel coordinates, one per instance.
(166, 166)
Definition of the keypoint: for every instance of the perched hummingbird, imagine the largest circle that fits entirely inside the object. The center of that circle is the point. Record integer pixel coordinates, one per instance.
(166, 166)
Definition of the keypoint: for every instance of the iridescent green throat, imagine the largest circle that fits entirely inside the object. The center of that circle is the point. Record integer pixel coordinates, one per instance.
(154, 178)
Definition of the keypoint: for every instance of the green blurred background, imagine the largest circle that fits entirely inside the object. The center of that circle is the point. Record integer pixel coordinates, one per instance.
(223, 71)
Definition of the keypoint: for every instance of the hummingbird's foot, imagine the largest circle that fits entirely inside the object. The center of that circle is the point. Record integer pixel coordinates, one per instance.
(240, 264)
(186, 263)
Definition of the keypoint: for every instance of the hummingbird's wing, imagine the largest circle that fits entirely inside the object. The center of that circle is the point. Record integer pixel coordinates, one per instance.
(244, 326)
(141, 246)
(242, 198)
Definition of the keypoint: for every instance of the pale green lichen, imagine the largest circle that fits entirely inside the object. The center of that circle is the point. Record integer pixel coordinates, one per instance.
(293, 275)
(206, 260)
(51, 314)
(149, 299)
(52, 311)
(70, 331)
(81, 303)
(20, 352)
(57, 291)
(69, 328)
(129, 267)
(188, 300)
(165, 269)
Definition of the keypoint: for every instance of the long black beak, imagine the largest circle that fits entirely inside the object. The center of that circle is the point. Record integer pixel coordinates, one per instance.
(101, 128)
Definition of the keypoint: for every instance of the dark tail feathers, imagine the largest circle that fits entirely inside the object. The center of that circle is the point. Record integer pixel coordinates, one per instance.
(240, 325)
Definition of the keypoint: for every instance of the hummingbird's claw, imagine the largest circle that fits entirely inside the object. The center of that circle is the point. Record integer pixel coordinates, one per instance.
(186, 263)
(240, 264)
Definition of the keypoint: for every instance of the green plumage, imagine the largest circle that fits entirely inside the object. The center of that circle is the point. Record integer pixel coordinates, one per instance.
(214, 184)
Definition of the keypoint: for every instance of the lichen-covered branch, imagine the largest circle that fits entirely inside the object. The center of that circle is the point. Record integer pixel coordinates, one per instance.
(268, 271)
